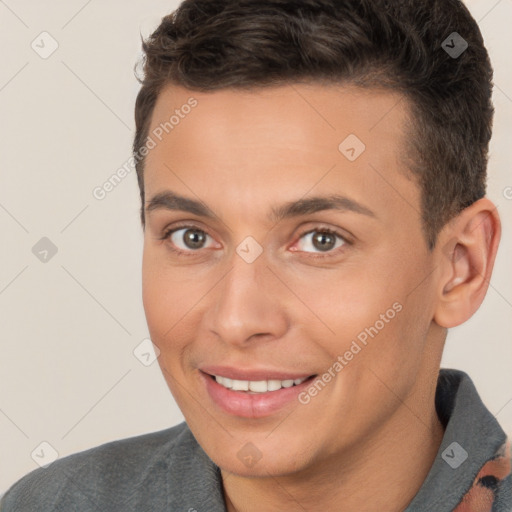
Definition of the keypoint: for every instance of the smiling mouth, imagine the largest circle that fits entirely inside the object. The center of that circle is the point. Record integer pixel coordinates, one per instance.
(258, 386)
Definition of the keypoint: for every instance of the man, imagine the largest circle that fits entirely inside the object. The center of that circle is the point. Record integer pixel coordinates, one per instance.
(312, 177)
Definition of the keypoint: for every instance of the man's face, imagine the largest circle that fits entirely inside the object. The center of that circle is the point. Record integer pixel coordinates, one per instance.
(256, 297)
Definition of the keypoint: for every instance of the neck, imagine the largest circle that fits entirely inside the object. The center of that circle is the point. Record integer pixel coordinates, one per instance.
(378, 474)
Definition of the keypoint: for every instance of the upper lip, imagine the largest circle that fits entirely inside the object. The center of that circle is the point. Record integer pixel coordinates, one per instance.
(252, 374)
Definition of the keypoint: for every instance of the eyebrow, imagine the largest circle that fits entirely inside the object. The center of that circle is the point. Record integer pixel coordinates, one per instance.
(169, 200)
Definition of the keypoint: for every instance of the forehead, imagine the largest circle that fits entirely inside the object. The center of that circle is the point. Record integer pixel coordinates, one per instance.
(321, 108)
(259, 145)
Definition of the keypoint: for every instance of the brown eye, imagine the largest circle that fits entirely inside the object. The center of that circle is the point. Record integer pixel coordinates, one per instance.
(322, 240)
(193, 238)
(186, 239)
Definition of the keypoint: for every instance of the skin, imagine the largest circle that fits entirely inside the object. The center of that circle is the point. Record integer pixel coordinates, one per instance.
(241, 153)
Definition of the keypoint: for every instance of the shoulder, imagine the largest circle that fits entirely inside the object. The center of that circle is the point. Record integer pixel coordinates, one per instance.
(93, 478)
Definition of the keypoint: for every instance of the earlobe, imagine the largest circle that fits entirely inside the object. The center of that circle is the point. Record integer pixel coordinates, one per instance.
(466, 262)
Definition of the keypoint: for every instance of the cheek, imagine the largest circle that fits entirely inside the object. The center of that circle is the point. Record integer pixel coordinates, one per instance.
(393, 358)
(162, 298)
(152, 295)
(351, 303)
(374, 318)
(172, 305)
(163, 313)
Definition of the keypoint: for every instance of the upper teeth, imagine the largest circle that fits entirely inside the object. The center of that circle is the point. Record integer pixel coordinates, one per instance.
(257, 386)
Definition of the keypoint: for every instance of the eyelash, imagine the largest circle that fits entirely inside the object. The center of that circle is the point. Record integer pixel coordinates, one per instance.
(318, 229)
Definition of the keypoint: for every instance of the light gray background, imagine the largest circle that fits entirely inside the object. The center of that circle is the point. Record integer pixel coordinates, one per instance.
(69, 376)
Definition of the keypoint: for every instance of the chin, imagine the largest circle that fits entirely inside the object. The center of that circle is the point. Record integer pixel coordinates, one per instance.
(257, 458)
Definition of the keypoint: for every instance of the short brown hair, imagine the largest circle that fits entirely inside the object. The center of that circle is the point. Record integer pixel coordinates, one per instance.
(207, 45)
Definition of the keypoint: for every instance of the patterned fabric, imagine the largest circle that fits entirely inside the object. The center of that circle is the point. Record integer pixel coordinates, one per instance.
(482, 494)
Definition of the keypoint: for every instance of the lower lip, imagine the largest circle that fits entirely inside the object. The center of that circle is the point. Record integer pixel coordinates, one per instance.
(247, 405)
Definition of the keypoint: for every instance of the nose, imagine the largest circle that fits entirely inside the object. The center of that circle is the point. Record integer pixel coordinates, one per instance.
(248, 303)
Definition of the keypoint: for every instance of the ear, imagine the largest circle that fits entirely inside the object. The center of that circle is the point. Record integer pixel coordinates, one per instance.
(467, 250)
